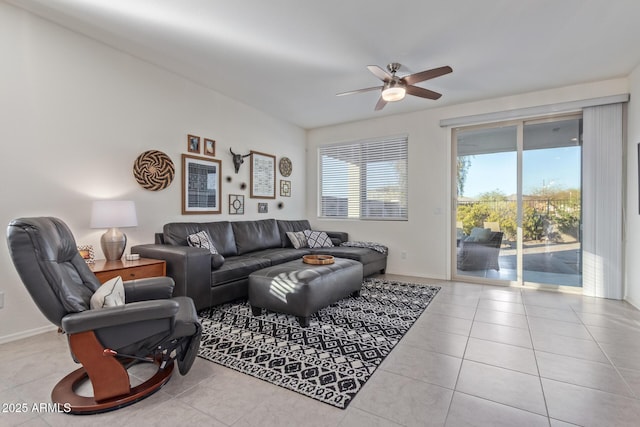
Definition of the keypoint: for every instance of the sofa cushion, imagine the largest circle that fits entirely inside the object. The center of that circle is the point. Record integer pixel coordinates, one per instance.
(222, 237)
(298, 239)
(338, 237)
(176, 233)
(236, 268)
(253, 236)
(364, 255)
(279, 255)
(317, 239)
(221, 233)
(291, 225)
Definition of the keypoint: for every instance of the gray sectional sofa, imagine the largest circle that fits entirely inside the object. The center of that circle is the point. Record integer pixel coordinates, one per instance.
(245, 247)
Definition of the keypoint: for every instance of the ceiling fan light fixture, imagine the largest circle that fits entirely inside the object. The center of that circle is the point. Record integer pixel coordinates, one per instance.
(396, 88)
(393, 91)
(393, 94)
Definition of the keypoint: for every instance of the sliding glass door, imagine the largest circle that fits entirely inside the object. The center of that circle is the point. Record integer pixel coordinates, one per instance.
(551, 184)
(517, 207)
(486, 214)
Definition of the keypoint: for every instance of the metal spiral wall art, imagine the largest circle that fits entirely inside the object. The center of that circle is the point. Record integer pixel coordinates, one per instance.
(153, 170)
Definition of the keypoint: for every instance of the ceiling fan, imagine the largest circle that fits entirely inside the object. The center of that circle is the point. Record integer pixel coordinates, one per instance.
(395, 88)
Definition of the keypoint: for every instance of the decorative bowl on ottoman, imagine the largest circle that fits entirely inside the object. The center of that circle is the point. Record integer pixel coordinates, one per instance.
(318, 259)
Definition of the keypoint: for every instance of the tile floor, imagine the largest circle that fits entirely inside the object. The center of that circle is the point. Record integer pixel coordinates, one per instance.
(479, 356)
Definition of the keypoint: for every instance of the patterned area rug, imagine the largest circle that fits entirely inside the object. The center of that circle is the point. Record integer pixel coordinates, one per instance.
(332, 358)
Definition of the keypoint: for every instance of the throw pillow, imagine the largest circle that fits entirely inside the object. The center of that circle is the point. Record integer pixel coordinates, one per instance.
(216, 261)
(318, 239)
(110, 294)
(202, 239)
(298, 239)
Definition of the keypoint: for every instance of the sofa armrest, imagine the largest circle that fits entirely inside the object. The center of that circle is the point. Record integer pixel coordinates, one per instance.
(338, 237)
(189, 267)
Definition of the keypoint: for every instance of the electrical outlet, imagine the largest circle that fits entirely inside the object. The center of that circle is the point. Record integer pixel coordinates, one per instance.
(1, 299)
(403, 254)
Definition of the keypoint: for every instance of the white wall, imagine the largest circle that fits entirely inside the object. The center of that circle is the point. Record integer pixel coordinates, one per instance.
(425, 237)
(75, 114)
(632, 225)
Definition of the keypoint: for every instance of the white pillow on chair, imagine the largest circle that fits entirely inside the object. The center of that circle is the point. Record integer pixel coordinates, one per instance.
(110, 294)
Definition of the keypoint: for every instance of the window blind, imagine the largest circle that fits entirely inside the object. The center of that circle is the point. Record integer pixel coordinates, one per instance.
(602, 201)
(364, 179)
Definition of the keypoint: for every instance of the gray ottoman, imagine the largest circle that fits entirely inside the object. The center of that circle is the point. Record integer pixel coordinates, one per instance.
(302, 289)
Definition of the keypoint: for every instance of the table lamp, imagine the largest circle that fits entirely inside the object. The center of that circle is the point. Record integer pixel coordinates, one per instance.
(112, 214)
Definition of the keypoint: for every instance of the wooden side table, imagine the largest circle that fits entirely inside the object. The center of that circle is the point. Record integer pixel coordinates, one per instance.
(128, 270)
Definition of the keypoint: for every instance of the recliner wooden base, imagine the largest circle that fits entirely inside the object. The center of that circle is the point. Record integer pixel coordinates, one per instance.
(64, 393)
(109, 378)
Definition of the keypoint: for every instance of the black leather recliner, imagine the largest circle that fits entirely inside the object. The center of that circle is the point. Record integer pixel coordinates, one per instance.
(151, 326)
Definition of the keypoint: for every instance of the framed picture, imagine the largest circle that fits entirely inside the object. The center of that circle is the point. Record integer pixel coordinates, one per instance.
(201, 185)
(193, 144)
(285, 188)
(263, 176)
(236, 204)
(263, 207)
(209, 147)
(87, 254)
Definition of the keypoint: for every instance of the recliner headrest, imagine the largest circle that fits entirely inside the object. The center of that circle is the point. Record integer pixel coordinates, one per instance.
(44, 252)
(51, 237)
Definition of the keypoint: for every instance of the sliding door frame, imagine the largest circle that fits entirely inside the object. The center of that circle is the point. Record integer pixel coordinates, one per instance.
(520, 125)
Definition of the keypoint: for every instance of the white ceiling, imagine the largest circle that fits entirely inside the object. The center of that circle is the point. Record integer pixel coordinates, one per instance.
(290, 57)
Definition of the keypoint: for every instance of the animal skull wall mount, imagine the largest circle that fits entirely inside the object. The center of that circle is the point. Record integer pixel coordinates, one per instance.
(238, 159)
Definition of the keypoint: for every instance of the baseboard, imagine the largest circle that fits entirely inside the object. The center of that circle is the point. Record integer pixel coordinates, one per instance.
(632, 302)
(26, 334)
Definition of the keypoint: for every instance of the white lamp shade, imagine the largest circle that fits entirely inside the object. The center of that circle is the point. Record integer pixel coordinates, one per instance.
(113, 213)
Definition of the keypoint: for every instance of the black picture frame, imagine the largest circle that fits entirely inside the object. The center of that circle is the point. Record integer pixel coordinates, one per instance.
(201, 185)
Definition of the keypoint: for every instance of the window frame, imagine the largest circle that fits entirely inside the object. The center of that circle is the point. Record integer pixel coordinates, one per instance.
(360, 155)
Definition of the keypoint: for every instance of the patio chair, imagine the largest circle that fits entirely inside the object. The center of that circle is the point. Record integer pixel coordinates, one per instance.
(480, 255)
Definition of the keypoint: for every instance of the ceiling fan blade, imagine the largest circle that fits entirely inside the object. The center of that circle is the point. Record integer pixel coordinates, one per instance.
(426, 75)
(351, 92)
(422, 92)
(379, 73)
(381, 103)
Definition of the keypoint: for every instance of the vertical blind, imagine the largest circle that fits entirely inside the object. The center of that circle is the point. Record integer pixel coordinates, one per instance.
(602, 201)
(364, 179)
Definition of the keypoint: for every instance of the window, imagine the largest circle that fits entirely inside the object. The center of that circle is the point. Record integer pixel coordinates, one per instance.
(365, 179)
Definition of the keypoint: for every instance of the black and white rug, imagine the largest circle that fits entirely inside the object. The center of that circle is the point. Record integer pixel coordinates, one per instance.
(332, 358)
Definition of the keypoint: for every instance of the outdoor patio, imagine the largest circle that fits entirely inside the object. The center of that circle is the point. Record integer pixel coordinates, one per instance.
(543, 262)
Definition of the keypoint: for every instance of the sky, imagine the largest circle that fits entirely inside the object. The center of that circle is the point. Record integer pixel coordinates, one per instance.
(555, 168)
